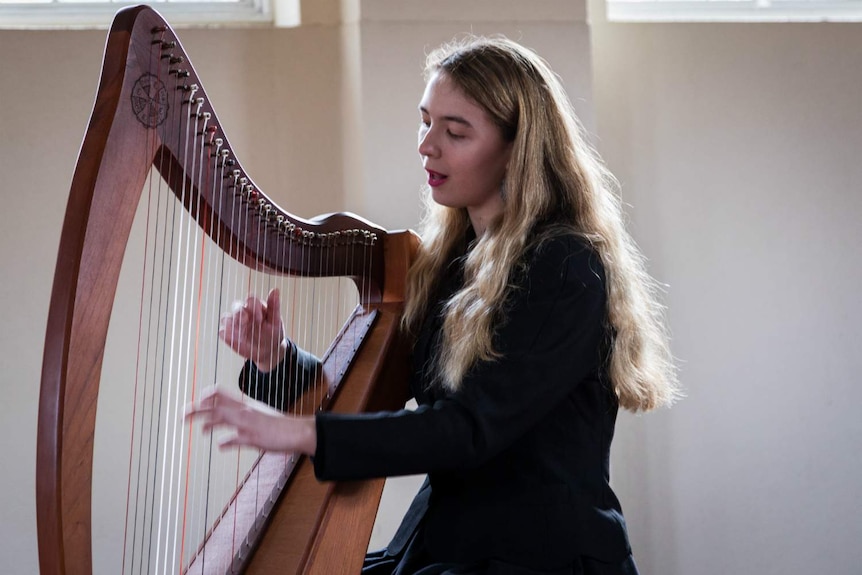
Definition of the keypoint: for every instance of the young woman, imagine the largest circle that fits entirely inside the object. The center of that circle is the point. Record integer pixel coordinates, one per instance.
(533, 320)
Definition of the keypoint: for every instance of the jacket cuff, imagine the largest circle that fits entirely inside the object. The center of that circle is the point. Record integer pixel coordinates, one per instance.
(279, 388)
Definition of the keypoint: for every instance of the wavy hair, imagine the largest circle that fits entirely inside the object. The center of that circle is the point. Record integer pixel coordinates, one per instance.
(554, 180)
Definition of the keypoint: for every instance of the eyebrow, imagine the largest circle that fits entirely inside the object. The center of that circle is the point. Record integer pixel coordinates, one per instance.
(456, 119)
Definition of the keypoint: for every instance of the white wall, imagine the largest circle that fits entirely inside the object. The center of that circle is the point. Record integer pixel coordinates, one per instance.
(738, 148)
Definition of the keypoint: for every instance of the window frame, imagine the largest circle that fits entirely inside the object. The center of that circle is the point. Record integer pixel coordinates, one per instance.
(72, 14)
(634, 11)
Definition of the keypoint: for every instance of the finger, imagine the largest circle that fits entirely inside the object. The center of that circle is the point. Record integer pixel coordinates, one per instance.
(229, 441)
(242, 436)
(224, 329)
(237, 306)
(228, 320)
(214, 397)
(213, 416)
(254, 307)
(273, 303)
(211, 394)
(228, 333)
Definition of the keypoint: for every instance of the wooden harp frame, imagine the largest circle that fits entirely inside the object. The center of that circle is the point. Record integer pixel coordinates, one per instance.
(306, 527)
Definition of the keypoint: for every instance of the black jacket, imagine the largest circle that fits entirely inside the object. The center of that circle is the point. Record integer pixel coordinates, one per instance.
(518, 458)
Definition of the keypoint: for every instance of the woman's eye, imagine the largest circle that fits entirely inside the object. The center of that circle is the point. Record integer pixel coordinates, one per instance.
(453, 135)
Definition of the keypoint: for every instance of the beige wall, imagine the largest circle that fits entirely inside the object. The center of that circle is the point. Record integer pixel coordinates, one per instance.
(323, 116)
(270, 105)
(738, 150)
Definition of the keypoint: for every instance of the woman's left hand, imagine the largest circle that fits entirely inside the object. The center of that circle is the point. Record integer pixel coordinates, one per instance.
(252, 427)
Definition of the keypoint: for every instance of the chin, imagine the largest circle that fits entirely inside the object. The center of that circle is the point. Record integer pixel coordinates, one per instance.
(441, 199)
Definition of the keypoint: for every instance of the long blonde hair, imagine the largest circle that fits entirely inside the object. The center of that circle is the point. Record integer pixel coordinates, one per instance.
(553, 177)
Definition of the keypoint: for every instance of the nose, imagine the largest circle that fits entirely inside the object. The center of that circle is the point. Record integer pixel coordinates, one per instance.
(427, 145)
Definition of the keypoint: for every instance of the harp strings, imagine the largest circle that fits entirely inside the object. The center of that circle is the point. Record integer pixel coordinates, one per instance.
(179, 482)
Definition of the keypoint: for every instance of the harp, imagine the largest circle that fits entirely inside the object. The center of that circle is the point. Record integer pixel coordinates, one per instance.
(279, 519)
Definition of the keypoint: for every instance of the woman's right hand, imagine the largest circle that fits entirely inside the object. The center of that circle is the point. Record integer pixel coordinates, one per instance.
(255, 331)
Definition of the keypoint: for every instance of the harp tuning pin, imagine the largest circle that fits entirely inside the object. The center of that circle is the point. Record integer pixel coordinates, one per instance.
(219, 142)
(168, 45)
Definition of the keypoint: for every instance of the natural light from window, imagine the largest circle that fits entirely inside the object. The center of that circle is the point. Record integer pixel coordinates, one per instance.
(734, 10)
(49, 14)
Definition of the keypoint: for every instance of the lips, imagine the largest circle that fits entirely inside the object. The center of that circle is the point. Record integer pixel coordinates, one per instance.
(436, 178)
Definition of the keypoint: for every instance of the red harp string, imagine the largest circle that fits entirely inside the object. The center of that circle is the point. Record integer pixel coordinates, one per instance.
(216, 237)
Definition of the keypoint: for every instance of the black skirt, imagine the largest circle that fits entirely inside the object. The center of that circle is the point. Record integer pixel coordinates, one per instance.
(413, 559)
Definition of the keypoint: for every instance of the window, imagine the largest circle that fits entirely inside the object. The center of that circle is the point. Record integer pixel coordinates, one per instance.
(734, 10)
(47, 14)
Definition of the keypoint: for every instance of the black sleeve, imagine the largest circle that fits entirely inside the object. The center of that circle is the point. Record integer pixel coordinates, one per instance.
(280, 387)
(551, 341)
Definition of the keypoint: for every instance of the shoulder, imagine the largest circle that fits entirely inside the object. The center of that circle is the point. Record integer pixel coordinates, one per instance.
(562, 262)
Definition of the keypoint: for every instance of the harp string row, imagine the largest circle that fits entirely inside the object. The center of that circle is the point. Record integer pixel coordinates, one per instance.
(179, 484)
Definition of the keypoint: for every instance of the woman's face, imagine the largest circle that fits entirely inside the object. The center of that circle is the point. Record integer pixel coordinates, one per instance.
(463, 152)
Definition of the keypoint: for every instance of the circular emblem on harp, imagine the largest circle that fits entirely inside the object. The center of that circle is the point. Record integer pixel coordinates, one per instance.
(150, 100)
